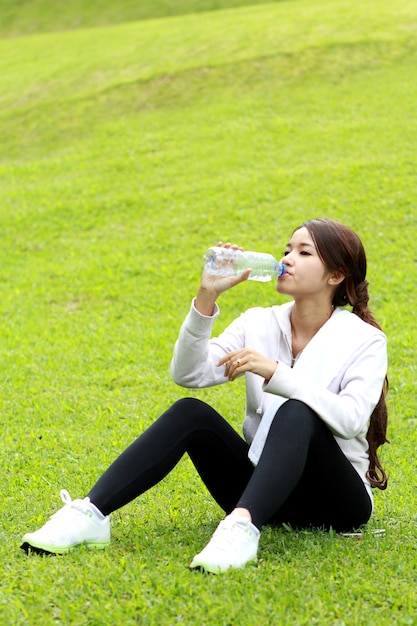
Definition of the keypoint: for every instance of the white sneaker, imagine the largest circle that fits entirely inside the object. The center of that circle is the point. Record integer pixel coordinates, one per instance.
(234, 543)
(78, 522)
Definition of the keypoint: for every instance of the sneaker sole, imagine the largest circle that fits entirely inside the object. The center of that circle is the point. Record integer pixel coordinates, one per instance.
(207, 568)
(41, 548)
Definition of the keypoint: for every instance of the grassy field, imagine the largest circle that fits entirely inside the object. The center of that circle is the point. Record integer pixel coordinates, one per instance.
(32, 16)
(125, 151)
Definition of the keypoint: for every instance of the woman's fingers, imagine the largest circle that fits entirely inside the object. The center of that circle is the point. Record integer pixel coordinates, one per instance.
(234, 363)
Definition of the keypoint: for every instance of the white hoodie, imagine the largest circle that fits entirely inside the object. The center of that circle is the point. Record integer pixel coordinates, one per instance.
(339, 375)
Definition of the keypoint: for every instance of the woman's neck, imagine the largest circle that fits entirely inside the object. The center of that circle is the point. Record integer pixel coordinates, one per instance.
(306, 319)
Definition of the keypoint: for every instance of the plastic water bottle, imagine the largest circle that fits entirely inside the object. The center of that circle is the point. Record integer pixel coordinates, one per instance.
(221, 261)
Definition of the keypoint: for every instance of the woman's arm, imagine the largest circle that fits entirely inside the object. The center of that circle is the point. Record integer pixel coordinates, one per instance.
(346, 410)
(195, 360)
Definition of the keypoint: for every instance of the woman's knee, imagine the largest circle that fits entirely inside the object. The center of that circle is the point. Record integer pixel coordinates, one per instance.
(185, 404)
(190, 411)
(298, 415)
(296, 408)
(189, 406)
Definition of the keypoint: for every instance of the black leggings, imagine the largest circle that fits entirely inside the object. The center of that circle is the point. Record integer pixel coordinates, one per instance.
(302, 478)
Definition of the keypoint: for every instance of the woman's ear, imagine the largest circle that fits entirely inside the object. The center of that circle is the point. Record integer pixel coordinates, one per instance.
(336, 278)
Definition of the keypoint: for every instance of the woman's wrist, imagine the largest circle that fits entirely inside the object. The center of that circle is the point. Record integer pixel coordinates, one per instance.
(205, 302)
(269, 378)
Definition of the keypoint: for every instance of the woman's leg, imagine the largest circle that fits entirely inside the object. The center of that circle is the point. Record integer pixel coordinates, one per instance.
(219, 454)
(303, 478)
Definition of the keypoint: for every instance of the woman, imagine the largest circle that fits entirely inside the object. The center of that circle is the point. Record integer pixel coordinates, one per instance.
(315, 411)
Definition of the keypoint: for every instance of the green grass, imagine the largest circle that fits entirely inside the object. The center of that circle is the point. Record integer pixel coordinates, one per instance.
(31, 16)
(125, 151)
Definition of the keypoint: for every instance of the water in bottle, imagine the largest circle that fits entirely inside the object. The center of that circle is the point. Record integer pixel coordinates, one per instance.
(221, 261)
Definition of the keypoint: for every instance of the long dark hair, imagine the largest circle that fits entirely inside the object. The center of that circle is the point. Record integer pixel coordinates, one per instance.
(340, 249)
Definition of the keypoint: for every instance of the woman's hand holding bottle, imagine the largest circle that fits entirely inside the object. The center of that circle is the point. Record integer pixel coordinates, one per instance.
(212, 286)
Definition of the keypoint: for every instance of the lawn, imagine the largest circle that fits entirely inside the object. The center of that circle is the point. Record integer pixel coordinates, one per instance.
(33, 16)
(129, 144)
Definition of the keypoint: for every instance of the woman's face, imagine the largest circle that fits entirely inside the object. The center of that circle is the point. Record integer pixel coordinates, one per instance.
(306, 275)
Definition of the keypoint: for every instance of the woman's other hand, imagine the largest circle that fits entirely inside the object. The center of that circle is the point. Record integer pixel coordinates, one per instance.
(247, 360)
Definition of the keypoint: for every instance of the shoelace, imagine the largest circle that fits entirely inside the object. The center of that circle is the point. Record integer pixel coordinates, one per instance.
(65, 496)
(76, 506)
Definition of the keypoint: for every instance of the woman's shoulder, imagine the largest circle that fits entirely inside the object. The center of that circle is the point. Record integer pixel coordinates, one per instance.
(269, 320)
(277, 310)
(353, 324)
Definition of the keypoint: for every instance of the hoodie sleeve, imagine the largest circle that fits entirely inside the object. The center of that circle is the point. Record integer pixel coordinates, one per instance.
(347, 404)
(194, 363)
